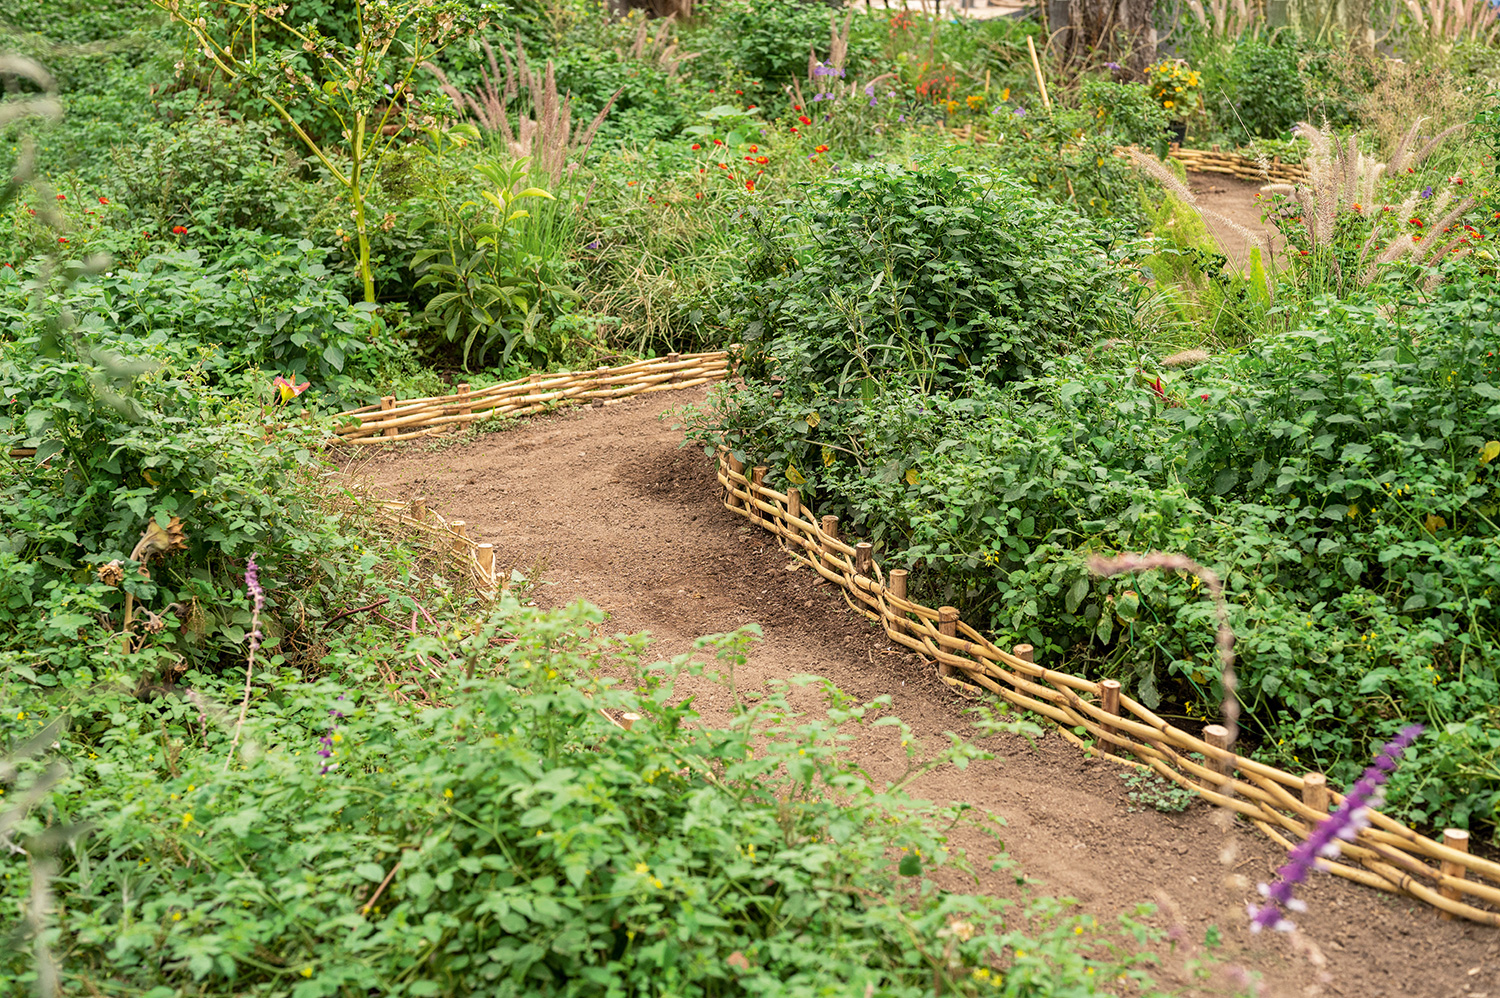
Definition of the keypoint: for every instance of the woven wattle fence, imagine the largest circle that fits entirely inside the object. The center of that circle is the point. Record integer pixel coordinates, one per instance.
(406, 420)
(1388, 855)
(477, 559)
(1230, 164)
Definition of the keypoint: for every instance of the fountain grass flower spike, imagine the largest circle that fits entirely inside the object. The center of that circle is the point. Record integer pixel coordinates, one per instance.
(1343, 825)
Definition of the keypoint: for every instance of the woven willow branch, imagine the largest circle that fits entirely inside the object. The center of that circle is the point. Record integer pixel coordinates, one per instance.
(1388, 856)
(406, 420)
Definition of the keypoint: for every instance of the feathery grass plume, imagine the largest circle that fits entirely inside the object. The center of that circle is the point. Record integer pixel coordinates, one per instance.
(1186, 358)
(544, 132)
(1176, 188)
(1340, 178)
(1226, 20)
(654, 43)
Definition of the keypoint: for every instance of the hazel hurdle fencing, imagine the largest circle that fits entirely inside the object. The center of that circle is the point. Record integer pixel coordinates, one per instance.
(1272, 171)
(392, 420)
(476, 557)
(1387, 855)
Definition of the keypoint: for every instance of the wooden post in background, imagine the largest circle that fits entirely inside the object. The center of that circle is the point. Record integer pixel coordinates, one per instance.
(1453, 838)
(898, 583)
(793, 503)
(1218, 736)
(737, 467)
(948, 627)
(1315, 792)
(830, 535)
(1025, 653)
(673, 358)
(464, 408)
(419, 509)
(485, 555)
(461, 529)
(864, 559)
(389, 402)
(757, 481)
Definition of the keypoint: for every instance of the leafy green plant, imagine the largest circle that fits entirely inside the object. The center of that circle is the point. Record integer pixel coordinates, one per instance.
(510, 838)
(1148, 789)
(926, 274)
(366, 86)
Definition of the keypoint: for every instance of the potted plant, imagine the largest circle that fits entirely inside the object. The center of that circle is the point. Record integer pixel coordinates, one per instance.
(1175, 85)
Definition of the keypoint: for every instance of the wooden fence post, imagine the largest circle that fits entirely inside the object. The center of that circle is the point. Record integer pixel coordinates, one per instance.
(948, 628)
(1315, 792)
(388, 402)
(1218, 736)
(830, 536)
(1454, 838)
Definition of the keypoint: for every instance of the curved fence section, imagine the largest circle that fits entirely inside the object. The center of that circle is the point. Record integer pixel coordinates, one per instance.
(1387, 855)
(408, 419)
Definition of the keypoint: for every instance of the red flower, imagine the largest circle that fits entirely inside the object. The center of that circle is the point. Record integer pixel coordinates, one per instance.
(718, 142)
(289, 390)
(1304, 252)
(796, 107)
(821, 149)
(104, 200)
(630, 183)
(740, 92)
(696, 147)
(762, 160)
(1204, 396)
(1415, 221)
(804, 119)
(699, 195)
(752, 107)
(794, 129)
(749, 185)
(1157, 389)
(723, 166)
(178, 230)
(755, 148)
(62, 197)
(62, 240)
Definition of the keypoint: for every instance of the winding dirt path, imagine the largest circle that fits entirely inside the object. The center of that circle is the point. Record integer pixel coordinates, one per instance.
(611, 510)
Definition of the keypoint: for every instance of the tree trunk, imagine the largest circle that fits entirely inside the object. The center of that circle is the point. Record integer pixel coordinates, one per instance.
(1108, 30)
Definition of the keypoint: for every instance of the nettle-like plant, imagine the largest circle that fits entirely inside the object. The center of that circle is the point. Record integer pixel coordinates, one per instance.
(364, 84)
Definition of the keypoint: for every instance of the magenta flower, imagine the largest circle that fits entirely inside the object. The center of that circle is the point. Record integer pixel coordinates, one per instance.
(1343, 825)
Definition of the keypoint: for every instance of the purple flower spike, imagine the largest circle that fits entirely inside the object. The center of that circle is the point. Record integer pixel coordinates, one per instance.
(1020, 112)
(252, 583)
(1112, 65)
(1344, 824)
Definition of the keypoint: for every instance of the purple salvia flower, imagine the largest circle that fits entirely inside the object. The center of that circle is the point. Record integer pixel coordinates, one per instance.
(817, 97)
(1111, 65)
(1344, 824)
(1427, 192)
(1020, 112)
(869, 90)
(593, 245)
(252, 583)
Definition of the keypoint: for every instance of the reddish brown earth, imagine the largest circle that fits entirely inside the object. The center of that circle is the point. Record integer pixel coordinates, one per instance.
(620, 516)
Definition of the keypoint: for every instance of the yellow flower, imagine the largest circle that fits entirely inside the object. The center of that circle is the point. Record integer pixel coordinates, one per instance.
(642, 868)
(176, 916)
(306, 971)
(656, 882)
(1168, 104)
(448, 794)
(21, 716)
(187, 819)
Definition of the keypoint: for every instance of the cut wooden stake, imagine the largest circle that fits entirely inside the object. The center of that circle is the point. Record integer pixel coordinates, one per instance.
(389, 402)
(864, 559)
(1315, 792)
(1109, 696)
(898, 583)
(948, 628)
(793, 503)
(1454, 838)
(737, 467)
(673, 358)
(757, 482)
(419, 509)
(1218, 736)
(627, 721)
(463, 390)
(831, 535)
(485, 554)
(1025, 653)
(461, 532)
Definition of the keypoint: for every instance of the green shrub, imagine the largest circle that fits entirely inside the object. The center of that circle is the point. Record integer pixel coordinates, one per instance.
(1342, 479)
(926, 274)
(506, 838)
(769, 41)
(1255, 89)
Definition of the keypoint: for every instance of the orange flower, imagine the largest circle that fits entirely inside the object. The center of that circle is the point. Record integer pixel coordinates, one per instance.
(762, 160)
(821, 149)
(749, 185)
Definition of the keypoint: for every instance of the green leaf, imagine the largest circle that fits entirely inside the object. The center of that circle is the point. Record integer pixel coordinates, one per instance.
(1076, 593)
(911, 865)
(1354, 567)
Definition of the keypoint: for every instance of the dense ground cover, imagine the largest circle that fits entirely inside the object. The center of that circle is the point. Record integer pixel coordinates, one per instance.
(966, 323)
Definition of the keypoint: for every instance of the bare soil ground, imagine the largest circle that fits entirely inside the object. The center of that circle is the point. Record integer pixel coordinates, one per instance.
(1234, 199)
(622, 517)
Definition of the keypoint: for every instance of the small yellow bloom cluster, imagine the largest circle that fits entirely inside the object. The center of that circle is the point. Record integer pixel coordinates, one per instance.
(1174, 85)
